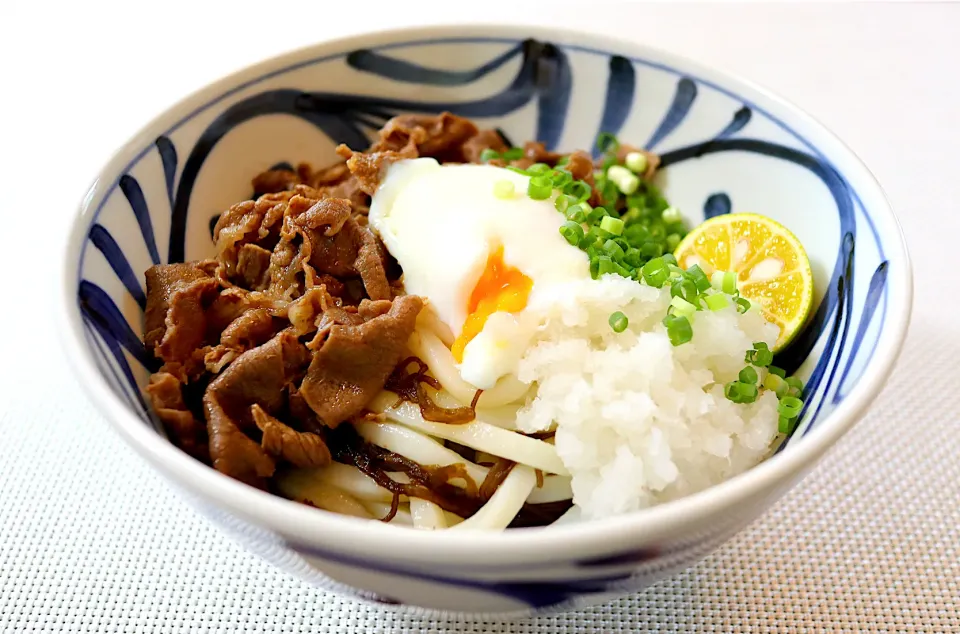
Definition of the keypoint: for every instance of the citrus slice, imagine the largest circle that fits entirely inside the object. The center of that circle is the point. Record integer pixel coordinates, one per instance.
(772, 268)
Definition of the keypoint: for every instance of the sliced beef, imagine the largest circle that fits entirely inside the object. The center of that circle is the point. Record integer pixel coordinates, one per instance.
(186, 432)
(301, 449)
(249, 330)
(274, 181)
(257, 222)
(439, 136)
(253, 267)
(353, 363)
(325, 239)
(483, 140)
(259, 376)
(367, 167)
(174, 321)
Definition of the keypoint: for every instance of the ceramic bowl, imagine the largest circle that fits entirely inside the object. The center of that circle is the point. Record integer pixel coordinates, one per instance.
(726, 146)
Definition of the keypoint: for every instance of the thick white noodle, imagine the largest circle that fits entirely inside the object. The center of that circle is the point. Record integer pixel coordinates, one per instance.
(426, 345)
(328, 498)
(427, 515)
(429, 320)
(345, 477)
(419, 448)
(504, 416)
(554, 489)
(452, 518)
(476, 435)
(505, 503)
(381, 509)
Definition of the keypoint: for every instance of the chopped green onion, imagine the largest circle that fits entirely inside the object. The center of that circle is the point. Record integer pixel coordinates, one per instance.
(678, 329)
(651, 249)
(790, 407)
(655, 273)
(636, 162)
(699, 278)
(613, 225)
(576, 213)
(795, 383)
(607, 142)
(572, 232)
(633, 257)
(729, 283)
(561, 178)
(749, 375)
(539, 168)
(683, 288)
(563, 161)
(595, 215)
(717, 302)
(673, 240)
(760, 355)
(740, 392)
(778, 371)
(579, 190)
(636, 234)
(786, 425)
(563, 202)
(488, 155)
(516, 169)
(618, 321)
(773, 382)
(669, 259)
(613, 249)
(504, 189)
(682, 307)
(513, 154)
(671, 214)
(716, 280)
(605, 264)
(743, 305)
(539, 188)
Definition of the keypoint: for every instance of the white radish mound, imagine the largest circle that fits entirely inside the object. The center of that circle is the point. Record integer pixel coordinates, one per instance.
(640, 421)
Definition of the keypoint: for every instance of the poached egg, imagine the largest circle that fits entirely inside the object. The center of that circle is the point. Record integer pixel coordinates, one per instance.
(488, 265)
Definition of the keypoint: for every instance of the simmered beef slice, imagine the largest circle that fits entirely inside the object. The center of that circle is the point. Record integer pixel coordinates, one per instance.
(274, 181)
(250, 222)
(301, 449)
(483, 140)
(439, 136)
(353, 363)
(249, 330)
(253, 267)
(174, 321)
(186, 432)
(326, 239)
(259, 376)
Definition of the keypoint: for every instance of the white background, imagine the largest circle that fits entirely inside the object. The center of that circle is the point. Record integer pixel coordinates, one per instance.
(90, 540)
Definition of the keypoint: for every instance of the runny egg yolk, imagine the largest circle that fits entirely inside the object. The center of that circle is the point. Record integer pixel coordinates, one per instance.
(501, 287)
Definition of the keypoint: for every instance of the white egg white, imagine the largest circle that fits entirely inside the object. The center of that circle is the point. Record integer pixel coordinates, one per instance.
(442, 222)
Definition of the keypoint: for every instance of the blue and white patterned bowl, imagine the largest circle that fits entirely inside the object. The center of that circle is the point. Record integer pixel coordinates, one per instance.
(726, 146)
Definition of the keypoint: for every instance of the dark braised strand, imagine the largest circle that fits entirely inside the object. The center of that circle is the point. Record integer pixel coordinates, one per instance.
(409, 386)
(539, 474)
(495, 477)
(394, 507)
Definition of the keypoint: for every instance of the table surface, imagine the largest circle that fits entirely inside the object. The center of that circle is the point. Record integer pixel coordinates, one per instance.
(92, 540)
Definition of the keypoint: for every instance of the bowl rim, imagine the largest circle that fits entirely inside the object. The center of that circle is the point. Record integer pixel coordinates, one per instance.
(303, 527)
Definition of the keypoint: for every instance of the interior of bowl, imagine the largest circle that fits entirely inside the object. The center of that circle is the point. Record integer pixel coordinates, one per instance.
(722, 151)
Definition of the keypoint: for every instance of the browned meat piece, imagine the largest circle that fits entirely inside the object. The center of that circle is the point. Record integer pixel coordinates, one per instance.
(253, 267)
(483, 140)
(439, 136)
(274, 181)
(332, 175)
(259, 376)
(182, 427)
(301, 449)
(367, 168)
(174, 321)
(257, 222)
(580, 166)
(233, 302)
(330, 242)
(353, 363)
(251, 329)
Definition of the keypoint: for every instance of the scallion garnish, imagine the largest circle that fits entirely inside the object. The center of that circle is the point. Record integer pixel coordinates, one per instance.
(636, 162)
(504, 189)
(670, 215)
(678, 329)
(619, 322)
(513, 154)
(607, 142)
(540, 187)
(749, 375)
(717, 301)
(488, 155)
(743, 305)
(572, 232)
(790, 407)
(611, 224)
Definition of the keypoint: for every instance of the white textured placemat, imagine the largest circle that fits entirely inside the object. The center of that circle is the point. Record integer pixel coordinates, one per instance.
(92, 541)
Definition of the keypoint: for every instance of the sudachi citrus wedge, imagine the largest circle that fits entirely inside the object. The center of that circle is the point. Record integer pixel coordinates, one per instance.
(772, 268)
